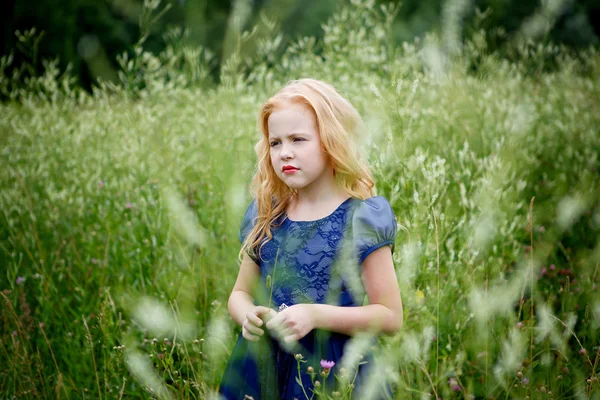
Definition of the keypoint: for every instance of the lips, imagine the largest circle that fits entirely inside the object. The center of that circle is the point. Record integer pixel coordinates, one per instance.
(289, 168)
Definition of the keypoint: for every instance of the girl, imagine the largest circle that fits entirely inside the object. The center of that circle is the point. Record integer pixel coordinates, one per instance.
(313, 195)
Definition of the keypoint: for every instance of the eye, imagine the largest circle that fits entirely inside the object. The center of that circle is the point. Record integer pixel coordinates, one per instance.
(274, 143)
(298, 139)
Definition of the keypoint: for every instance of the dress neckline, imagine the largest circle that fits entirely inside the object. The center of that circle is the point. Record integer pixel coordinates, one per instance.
(320, 219)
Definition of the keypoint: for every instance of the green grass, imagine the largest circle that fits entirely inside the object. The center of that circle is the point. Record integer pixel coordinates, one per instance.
(127, 203)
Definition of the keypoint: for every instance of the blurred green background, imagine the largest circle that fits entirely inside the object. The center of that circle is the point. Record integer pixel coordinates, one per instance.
(89, 34)
(120, 206)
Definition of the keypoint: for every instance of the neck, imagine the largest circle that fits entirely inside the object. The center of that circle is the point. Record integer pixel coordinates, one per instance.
(323, 190)
(319, 198)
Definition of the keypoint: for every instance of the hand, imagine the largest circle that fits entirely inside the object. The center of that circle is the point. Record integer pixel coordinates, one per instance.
(293, 323)
(254, 319)
(265, 313)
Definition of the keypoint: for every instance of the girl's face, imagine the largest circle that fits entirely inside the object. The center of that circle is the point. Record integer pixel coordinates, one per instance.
(295, 147)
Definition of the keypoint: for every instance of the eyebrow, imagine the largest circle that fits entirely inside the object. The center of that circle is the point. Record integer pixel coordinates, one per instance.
(289, 134)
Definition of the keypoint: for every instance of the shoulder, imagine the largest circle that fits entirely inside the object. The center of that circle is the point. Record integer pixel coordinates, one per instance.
(248, 220)
(252, 210)
(373, 225)
(373, 209)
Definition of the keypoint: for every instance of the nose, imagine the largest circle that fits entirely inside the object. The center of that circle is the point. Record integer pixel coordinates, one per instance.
(285, 152)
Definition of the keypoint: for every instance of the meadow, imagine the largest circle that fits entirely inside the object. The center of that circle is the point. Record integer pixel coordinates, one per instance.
(121, 210)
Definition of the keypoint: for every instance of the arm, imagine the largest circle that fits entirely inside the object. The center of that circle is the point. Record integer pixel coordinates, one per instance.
(241, 301)
(384, 313)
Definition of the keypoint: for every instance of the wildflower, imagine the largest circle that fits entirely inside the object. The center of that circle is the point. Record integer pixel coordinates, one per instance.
(525, 381)
(100, 184)
(128, 205)
(456, 388)
(582, 351)
(541, 229)
(544, 271)
(374, 90)
(399, 86)
(414, 86)
(326, 365)
(416, 197)
(42, 325)
(14, 333)
(310, 370)
(452, 382)
(298, 356)
(20, 280)
(519, 324)
(552, 267)
(317, 383)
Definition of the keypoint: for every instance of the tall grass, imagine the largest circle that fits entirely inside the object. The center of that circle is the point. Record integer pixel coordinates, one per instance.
(120, 213)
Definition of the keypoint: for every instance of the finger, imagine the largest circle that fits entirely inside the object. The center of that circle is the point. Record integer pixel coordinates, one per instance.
(253, 318)
(291, 338)
(252, 329)
(269, 315)
(264, 313)
(276, 321)
(282, 333)
(260, 310)
(248, 336)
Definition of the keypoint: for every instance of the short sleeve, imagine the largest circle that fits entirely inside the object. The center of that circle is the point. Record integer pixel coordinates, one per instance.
(248, 223)
(373, 226)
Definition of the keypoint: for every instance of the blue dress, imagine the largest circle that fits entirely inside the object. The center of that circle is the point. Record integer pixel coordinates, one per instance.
(304, 263)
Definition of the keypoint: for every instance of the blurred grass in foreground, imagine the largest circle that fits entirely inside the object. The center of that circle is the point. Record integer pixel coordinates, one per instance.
(120, 213)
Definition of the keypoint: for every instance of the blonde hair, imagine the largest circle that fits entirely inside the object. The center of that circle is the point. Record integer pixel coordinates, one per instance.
(338, 124)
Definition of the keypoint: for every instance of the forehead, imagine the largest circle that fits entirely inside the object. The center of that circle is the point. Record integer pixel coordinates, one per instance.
(292, 118)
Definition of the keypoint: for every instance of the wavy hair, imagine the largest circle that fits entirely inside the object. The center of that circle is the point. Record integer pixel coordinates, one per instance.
(338, 125)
